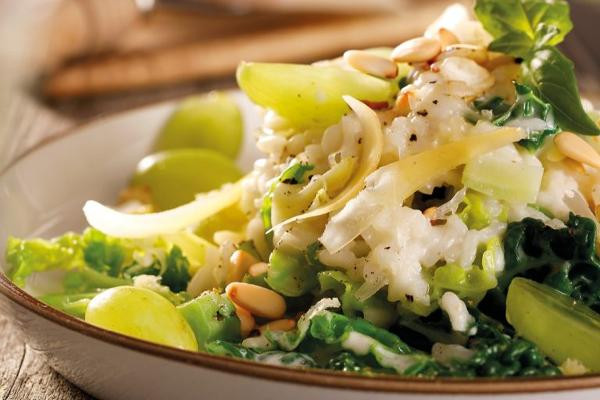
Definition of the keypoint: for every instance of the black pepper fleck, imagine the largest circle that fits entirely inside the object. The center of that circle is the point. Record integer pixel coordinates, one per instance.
(413, 138)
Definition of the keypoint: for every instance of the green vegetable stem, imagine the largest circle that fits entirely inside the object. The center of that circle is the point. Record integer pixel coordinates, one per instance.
(212, 317)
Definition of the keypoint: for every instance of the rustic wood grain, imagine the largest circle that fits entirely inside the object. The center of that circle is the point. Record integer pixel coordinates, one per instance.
(24, 374)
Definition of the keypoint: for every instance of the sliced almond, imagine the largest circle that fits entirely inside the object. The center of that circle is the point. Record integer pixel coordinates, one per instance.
(417, 50)
(260, 301)
(247, 322)
(476, 53)
(258, 269)
(577, 149)
(446, 37)
(278, 325)
(371, 64)
(240, 262)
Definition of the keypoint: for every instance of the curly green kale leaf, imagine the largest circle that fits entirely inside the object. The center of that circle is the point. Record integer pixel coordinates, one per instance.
(529, 109)
(564, 259)
(498, 353)
(292, 359)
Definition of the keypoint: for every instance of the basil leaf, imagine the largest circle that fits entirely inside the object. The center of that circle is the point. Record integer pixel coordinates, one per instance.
(552, 75)
(554, 13)
(521, 25)
(516, 43)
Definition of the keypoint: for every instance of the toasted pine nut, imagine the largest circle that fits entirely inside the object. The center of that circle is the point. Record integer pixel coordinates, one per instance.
(240, 262)
(260, 301)
(402, 105)
(475, 53)
(371, 64)
(258, 269)
(496, 60)
(247, 322)
(278, 325)
(574, 166)
(417, 50)
(430, 213)
(446, 37)
(577, 149)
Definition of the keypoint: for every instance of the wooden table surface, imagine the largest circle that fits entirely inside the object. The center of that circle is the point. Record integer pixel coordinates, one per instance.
(25, 374)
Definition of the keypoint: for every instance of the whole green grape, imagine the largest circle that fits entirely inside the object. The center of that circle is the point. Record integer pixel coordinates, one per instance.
(211, 121)
(309, 96)
(143, 314)
(174, 177)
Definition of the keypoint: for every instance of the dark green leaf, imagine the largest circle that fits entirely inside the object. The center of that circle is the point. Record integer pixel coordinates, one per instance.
(552, 75)
(527, 108)
(515, 43)
(564, 259)
(518, 26)
(176, 271)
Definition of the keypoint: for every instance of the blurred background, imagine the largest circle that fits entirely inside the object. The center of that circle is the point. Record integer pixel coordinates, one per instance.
(65, 61)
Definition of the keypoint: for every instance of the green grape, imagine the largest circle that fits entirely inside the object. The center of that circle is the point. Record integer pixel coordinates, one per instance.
(559, 326)
(143, 314)
(174, 177)
(211, 121)
(307, 95)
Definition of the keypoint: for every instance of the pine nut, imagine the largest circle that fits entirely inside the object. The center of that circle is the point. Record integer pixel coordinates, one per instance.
(278, 325)
(258, 269)
(446, 37)
(496, 60)
(371, 64)
(577, 149)
(417, 50)
(240, 262)
(402, 105)
(476, 53)
(247, 322)
(260, 301)
(430, 213)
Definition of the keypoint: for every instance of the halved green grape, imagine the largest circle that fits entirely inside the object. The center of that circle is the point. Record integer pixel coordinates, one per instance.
(211, 121)
(143, 314)
(308, 95)
(559, 326)
(174, 177)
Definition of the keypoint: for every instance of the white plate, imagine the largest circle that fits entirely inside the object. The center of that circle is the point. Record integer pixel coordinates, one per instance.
(42, 195)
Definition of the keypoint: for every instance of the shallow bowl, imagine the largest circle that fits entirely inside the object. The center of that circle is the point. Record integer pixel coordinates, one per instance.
(41, 194)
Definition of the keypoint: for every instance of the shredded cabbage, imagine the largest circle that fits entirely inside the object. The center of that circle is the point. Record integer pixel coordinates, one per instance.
(372, 142)
(394, 183)
(115, 223)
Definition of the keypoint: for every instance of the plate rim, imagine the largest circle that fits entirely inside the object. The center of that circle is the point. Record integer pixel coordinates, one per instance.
(312, 377)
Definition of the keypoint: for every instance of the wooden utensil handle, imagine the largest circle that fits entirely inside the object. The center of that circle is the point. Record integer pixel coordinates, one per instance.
(81, 27)
(219, 57)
